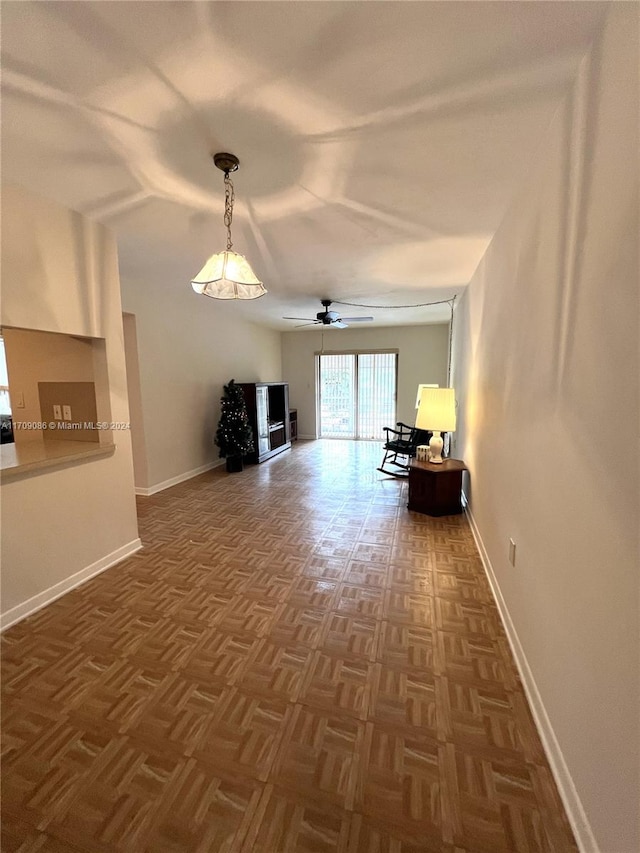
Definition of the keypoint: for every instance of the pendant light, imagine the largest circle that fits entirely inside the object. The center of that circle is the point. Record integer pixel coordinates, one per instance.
(228, 275)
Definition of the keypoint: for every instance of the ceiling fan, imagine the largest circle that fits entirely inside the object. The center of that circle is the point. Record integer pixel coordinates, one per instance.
(329, 318)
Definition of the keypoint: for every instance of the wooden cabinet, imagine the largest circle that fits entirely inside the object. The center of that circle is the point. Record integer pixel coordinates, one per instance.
(268, 410)
(436, 489)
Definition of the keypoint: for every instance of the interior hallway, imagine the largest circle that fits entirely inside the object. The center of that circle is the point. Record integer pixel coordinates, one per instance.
(294, 662)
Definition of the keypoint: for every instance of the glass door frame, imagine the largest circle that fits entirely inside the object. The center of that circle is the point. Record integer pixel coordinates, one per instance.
(318, 398)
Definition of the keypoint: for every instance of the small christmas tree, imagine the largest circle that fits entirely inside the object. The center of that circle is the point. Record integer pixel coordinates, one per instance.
(234, 435)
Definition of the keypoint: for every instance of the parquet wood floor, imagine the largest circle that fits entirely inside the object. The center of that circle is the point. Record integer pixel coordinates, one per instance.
(294, 662)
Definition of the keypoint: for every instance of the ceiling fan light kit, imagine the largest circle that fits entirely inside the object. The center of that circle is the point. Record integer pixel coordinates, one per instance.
(228, 275)
(329, 318)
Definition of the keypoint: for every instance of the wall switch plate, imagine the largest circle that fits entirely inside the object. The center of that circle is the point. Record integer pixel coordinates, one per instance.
(66, 413)
(18, 399)
(57, 413)
(512, 552)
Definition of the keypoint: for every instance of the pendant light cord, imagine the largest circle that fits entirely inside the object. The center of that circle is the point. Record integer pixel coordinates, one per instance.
(229, 197)
(417, 305)
(453, 305)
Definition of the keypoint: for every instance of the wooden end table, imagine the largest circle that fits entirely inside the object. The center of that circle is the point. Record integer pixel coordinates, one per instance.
(436, 489)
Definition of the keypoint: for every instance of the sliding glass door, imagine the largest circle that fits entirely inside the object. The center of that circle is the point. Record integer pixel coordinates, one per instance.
(337, 384)
(376, 398)
(357, 394)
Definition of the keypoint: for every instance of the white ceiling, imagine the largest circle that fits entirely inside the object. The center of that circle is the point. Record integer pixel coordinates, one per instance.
(380, 142)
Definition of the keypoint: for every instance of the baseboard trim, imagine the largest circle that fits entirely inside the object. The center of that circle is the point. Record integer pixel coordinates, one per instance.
(307, 437)
(174, 481)
(575, 811)
(37, 602)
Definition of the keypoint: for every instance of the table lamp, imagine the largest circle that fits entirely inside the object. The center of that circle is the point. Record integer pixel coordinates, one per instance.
(421, 386)
(436, 413)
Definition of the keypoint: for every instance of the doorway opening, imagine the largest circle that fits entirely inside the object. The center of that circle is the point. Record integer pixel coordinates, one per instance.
(356, 394)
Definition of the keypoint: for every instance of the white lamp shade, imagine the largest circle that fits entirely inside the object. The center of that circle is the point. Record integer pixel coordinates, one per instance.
(420, 388)
(228, 275)
(437, 410)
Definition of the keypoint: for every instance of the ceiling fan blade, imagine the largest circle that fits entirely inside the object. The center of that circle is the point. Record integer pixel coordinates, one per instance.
(302, 325)
(300, 318)
(356, 319)
(339, 324)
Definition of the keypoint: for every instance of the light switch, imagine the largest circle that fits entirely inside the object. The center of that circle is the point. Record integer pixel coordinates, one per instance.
(17, 398)
(57, 413)
(66, 413)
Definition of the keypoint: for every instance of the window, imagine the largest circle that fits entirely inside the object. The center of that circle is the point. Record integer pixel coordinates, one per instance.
(357, 394)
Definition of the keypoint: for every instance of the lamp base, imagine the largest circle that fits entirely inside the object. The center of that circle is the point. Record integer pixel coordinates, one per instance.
(435, 448)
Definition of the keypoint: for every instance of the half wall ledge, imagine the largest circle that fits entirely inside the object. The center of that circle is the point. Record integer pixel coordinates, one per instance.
(34, 457)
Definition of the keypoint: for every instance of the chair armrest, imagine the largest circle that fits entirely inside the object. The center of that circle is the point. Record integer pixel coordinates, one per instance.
(391, 431)
(404, 432)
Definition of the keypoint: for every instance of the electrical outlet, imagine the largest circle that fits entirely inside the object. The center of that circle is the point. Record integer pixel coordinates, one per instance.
(512, 552)
(57, 413)
(66, 413)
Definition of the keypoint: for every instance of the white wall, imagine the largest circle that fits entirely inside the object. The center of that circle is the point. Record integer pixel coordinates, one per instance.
(189, 347)
(422, 357)
(132, 361)
(60, 274)
(546, 369)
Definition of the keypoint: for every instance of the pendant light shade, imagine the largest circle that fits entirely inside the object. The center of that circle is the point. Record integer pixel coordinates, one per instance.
(228, 275)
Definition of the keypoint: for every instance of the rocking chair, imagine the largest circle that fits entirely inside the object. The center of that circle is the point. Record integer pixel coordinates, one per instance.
(400, 447)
